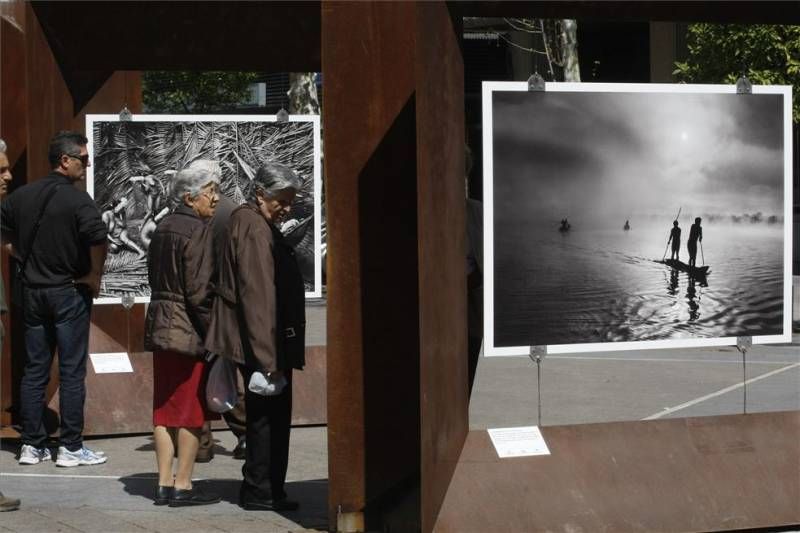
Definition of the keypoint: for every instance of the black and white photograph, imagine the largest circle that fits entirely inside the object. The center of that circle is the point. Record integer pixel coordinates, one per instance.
(134, 160)
(622, 216)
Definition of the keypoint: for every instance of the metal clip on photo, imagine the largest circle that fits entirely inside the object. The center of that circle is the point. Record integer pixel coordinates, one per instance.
(536, 83)
(125, 115)
(537, 354)
(744, 85)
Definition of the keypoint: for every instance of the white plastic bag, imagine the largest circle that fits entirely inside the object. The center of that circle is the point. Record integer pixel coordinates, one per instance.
(266, 385)
(221, 395)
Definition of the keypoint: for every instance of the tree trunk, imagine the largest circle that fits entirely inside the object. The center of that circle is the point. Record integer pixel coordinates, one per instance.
(569, 46)
(302, 93)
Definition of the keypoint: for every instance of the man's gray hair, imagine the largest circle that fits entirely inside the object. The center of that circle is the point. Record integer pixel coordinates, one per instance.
(3, 146)
(271, 179)
(190, 180)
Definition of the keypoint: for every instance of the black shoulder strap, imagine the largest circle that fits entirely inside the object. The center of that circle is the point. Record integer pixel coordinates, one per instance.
(49, 196)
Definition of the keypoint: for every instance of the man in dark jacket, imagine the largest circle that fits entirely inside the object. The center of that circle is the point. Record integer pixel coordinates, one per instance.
(55, 231)
(258, 321)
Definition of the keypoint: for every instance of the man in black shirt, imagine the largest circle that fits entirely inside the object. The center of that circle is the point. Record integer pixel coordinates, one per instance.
(62, 263)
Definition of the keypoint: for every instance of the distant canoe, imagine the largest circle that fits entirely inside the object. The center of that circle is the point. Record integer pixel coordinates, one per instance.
(564, 229)
(683, 267)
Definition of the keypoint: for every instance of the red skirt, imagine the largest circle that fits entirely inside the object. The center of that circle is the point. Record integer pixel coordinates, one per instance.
(179, 386)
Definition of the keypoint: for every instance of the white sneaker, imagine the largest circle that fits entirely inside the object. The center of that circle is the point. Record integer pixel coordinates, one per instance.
(28, 455)
(84, 456)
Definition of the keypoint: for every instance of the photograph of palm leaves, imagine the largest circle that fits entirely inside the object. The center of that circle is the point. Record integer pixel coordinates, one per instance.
(629, 216)
(134, 161)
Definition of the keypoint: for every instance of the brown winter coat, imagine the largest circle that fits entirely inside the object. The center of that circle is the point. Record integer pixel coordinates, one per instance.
(247, 309)
(180, 268)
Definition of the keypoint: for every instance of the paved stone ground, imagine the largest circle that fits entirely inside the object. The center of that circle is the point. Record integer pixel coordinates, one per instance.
(576, 388)
(116, 496)
(618, 386)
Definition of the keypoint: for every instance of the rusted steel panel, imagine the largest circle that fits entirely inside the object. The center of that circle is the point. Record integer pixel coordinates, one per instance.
(442, 252)
(692, 474)
(309, 395)
(110, 36)
(373, 317)
(14, 12)
(46, 87)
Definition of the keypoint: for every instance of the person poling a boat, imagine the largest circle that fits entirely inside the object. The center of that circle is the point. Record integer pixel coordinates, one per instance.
(695, 234)
(627, 225)
(675, 239)
(564, 225)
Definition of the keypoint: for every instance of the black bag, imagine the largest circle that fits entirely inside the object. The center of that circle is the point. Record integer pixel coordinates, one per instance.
(18, 267)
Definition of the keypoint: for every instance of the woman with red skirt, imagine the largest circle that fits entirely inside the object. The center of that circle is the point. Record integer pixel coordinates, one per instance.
(180, 266)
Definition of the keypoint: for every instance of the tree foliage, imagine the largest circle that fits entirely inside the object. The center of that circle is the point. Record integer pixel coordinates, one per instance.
(720, 53)
(194, 91)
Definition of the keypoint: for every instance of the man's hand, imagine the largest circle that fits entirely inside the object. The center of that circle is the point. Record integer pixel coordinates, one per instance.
(92, 281)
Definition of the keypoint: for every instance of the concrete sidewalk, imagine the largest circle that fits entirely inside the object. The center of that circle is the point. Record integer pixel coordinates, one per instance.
(117, 496)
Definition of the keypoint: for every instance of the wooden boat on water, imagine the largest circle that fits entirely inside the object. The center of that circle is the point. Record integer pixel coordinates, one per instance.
(698, 272)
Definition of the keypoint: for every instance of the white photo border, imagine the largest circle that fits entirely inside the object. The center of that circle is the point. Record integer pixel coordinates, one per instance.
(490, 87)
(314, 119)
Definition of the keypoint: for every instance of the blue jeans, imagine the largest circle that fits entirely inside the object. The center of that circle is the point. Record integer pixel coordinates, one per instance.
(55, 317)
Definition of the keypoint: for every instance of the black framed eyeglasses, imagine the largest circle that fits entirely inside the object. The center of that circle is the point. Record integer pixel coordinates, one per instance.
(84, 159)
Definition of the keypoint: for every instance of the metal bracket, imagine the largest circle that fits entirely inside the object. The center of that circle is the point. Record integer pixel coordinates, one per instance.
(282, 115)
(537, 353)
(536, 83)
(128, 301)
(125, 115)
(744, 343)
(744, 85)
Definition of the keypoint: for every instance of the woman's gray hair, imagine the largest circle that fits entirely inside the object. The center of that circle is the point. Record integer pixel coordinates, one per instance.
(3, 146)
(209, 165)
(190, 180)
(271, 179)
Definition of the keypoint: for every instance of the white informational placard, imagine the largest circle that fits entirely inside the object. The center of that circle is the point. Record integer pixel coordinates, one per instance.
(518, 442)
(588, 186)
(111, 363)
(134, 161)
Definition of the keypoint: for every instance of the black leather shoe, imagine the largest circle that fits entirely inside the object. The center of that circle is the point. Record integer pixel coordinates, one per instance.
(193, 496)
(269, 505)
(163, 495)
(240, 452)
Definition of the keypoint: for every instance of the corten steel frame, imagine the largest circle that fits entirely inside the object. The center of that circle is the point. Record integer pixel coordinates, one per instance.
(393, 140)
(396, 294)
(71, 67)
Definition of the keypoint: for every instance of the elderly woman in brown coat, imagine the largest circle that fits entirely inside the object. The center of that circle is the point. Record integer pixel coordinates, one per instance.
(180, 266)
(258, 321)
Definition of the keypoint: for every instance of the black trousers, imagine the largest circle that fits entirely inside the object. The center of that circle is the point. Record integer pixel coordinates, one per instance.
(269, 422)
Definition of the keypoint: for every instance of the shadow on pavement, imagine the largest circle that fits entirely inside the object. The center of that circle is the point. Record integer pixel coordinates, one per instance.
(311, 494)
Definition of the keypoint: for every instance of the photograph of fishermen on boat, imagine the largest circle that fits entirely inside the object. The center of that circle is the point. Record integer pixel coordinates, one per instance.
(627, 218)
(133, 163)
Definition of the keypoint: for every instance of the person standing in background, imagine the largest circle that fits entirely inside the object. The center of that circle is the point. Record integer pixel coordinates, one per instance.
(236, 418)
(6, 503)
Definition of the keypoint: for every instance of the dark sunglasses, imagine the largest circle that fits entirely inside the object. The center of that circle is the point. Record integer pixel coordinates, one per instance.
(84, 159)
